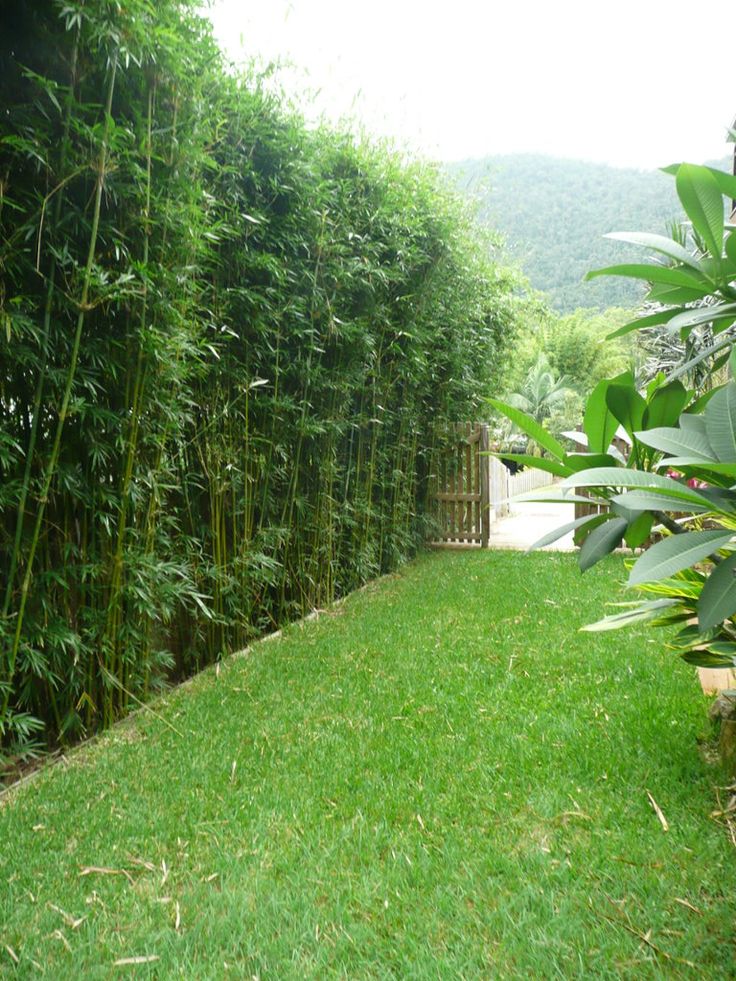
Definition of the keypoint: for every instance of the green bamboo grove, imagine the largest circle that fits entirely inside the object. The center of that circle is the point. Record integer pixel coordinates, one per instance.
(229, 343)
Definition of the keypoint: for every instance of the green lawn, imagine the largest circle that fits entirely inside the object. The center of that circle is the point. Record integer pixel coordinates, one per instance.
(440, 779)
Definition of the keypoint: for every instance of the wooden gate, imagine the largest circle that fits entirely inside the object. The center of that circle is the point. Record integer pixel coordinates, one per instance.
(462, 488)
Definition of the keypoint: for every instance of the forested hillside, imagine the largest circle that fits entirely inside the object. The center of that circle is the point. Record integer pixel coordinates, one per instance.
(554, 214)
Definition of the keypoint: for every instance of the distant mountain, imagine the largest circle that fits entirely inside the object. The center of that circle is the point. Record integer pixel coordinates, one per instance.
(554, 214)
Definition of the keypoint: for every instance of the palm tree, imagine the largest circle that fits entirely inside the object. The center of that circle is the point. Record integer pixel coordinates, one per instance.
(542, 392)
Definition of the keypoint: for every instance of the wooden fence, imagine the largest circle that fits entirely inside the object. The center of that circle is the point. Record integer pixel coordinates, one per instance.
(462, 488)
(471, 488)
(528, 479)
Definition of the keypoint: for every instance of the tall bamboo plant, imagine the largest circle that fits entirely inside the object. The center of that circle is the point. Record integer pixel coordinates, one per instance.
(228, 343)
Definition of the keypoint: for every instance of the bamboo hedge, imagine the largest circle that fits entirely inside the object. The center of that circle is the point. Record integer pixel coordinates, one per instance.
(228, 345)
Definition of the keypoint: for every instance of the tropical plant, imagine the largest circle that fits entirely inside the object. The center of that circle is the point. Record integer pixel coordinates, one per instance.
(680, 472)
(573, 349)
(543, 391)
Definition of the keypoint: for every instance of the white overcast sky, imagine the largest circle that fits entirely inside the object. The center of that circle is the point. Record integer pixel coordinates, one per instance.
(638, 83)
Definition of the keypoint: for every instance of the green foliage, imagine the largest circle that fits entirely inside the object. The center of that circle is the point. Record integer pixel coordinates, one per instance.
(682, 450)
(571, 347)
(542, 393)
(228, 344)
(576, 347)
(554, 214)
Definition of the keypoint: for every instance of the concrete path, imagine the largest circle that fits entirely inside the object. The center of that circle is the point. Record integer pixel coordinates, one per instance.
(527, 522)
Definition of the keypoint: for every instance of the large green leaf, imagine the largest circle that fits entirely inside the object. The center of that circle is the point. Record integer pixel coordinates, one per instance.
(725, 182)
(706, 659)
(627, 406)
(665, 405)
(639, 530)
(621, 477)
(677, 295)
(553, 536)
(693, 462)
(658, 243)
(702, 200)
(536, 462)
(637, 613)
(678, 442)
(707, 352)
(718, 597)
(530, 426)
(693, 318)
(720, 423)
(721, 499)
(692, 423)
(692, 417)
(691, 636)
(665, 275)
(641, 500)
(577, 462)
(600, 424)
(553, 495)
(675, 553)
(651, 320)
(731, 251)
(601, 540)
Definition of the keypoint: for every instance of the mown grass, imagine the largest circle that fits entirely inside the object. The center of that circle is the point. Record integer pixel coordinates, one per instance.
(441, 778)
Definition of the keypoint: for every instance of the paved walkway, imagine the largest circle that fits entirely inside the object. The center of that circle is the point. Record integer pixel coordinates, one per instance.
(527, 522)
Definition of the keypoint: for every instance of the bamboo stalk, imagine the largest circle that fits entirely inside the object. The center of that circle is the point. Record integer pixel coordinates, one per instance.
(45, 329)
(116, 583)
(102, 163)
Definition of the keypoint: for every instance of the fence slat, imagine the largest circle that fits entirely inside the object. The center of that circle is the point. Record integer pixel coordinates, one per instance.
(468, 527)
(484, 480)
(462, 490)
